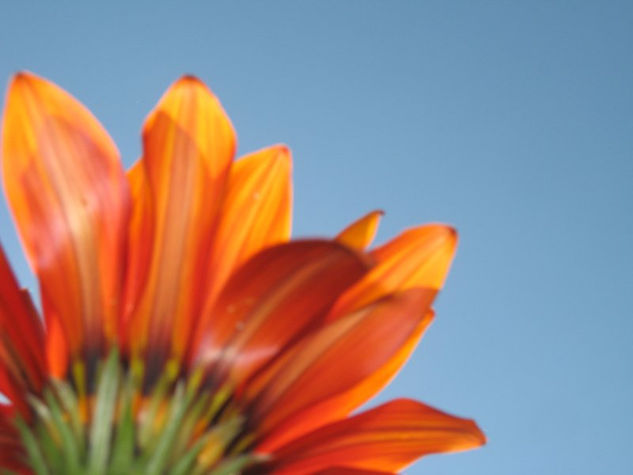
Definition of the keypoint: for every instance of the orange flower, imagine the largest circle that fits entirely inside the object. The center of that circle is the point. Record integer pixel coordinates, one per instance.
(184, 332)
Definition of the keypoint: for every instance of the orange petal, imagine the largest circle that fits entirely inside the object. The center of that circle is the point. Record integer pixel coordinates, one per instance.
(419, 257)
(321, 366)
(22, 365)
(56, 346)
(255, 213)
(388, 437)
(271, 301)
(350, 471)
(70, 200)
(140, 241)
(361, 232)
(189, 144)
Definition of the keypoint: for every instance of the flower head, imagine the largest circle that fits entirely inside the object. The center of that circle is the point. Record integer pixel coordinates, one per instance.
(184, 332)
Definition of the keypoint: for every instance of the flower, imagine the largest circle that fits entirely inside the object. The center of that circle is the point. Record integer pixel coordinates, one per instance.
(184, 331)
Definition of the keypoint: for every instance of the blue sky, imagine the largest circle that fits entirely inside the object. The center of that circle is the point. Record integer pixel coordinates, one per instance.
(512, 121)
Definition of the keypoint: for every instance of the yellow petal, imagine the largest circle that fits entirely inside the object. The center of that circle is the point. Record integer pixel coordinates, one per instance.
(361, 232)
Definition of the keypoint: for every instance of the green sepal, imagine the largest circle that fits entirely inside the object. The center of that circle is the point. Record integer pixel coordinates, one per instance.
(179, 427)
(103, 417)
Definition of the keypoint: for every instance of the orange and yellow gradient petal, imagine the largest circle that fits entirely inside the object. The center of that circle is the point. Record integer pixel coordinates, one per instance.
(188, 147)
(70, 199)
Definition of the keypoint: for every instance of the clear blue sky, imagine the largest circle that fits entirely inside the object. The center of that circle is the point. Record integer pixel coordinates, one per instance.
(511, 120)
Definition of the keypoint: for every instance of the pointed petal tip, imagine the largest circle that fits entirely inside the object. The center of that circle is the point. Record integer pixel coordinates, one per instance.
(450, 236)
(476, 436)
(442, 232)
(482, 438)
(189, 79)
(388, 437)
(187, 83)
(376, 214)
(283, 152)
(453, 232)
(22, 79)
(361, 233)
(191, 82)
(282, 148)
(474, 432)
(448, 231)
(23, 76)
(279, 157)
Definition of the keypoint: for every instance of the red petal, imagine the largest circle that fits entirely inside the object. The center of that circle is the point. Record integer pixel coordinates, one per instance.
(188, 148)
(70, 200)
(22, 365)
(388, 437)
(342, 404)
(12, 454)
(322, 366)
(272, 300)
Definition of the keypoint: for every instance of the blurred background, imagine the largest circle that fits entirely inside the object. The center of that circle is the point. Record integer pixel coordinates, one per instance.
(512, 121)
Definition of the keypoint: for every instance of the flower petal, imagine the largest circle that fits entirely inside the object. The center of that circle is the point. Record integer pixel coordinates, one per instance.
(388, 437)
(22, 365)
(57, 356)
(140, 241)
(350, 471)
(342, 404)
(271, 301)
(361, 232)
(255, 213)
(320, 367)
(189, 144)
(70, 200)
(419, 257)
(12, 454)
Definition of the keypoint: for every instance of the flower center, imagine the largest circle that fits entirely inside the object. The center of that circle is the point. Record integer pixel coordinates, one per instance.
(175, 428)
